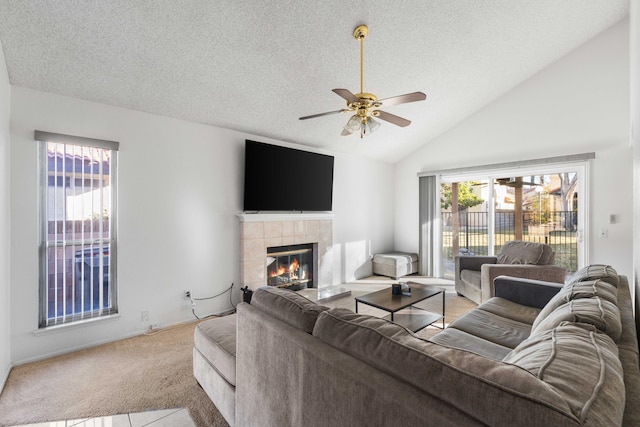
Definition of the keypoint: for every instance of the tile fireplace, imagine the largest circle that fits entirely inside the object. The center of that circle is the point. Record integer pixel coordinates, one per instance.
(269, 242)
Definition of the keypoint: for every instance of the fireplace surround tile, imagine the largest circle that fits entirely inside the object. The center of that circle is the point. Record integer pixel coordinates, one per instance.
(299, 228)
(252, 249)
(252, 230)
(259, 231)
(312, 228)
(287, 229)
(288, 240)
(254, 273)
(273, 229)
(271, 242)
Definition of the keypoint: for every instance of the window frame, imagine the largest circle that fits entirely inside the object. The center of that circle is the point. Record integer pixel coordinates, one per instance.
(489, 175)
(430, 214)
(44, 321)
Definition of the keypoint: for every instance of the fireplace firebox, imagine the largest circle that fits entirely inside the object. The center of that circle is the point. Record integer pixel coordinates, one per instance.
(292, 267)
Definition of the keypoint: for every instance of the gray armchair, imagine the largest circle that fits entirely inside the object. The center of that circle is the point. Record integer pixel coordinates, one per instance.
(474, 275)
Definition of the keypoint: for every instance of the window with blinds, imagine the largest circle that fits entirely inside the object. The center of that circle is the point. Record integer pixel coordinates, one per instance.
(78, 228)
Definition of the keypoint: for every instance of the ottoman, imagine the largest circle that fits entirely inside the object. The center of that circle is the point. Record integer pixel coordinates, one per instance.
(395, 264)
(214, 362)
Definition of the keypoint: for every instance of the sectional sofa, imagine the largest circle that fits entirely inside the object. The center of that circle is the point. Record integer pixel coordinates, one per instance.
(537, 354)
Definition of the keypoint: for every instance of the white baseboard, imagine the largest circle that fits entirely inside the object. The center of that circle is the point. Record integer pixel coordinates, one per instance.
(74, 349)
(96, 343)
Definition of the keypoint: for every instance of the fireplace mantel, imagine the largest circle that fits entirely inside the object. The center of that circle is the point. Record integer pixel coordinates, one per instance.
(260, 231)
(266, 217)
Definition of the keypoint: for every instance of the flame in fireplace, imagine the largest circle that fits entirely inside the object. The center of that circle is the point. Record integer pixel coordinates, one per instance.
(291, 271)
(294, 266)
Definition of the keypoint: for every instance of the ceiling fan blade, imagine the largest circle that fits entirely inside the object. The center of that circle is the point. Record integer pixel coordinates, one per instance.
(392, 118)
(403, 99)
(346, 94)
(313, 116)
(345, 132)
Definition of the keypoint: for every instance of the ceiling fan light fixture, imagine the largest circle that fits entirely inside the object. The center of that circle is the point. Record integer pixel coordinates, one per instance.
(362, 125)
(371, 125)
(354, 124)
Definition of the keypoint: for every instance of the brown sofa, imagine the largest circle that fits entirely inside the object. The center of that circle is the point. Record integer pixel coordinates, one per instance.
(537, 354)
(474, 275)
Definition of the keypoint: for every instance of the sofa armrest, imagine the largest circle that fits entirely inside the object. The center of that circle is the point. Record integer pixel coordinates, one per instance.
(545, 273)
(529, 292)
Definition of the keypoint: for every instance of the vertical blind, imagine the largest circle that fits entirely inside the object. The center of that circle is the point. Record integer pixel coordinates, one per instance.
(427, 218)
(78, 228)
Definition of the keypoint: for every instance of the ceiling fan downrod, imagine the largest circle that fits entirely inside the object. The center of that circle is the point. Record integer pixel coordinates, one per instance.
(359, 34)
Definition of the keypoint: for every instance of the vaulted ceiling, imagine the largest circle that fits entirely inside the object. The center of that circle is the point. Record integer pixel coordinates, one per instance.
(257, 66)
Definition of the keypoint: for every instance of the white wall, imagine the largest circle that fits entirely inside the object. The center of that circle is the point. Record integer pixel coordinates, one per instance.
(634, 53)
(5, 225)
(180, 190)
(578, 104)
(363, 206)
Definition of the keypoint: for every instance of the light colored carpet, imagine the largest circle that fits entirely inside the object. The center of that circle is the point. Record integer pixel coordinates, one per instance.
(144, 373)
(151, 372)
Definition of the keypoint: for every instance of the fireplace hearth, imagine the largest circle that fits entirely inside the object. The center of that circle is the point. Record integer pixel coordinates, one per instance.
(292, 267)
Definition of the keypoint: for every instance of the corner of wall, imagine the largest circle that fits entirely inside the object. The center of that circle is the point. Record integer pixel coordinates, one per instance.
(5, 225)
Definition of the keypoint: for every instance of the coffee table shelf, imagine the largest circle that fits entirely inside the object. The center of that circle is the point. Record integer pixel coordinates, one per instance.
(415, 319)
(401, 307)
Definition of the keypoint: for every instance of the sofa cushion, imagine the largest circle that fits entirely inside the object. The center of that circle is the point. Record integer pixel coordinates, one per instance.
(288, 306)
(576, 290)
(471, 380)
(215, 339)
(491, 327)
(593, 272)
(455, 338)
(519, 252)
(594, 311)
(582, 365)
(504, 308)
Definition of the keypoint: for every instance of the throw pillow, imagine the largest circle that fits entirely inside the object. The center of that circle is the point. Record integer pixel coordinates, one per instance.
(595, 311)
(519, 252)
(582, 366)
(595, 271)
(576, 290)
(288, 306)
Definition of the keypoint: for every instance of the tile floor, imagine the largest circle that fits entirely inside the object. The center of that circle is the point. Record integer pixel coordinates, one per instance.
(164, 418)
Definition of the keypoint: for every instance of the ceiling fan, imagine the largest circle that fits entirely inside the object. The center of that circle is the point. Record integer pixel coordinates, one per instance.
(365, 105)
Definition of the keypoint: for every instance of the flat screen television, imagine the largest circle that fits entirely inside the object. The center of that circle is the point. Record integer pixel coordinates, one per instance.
(285, 179)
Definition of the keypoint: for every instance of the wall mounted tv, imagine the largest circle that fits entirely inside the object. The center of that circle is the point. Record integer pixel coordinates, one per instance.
(284, 179)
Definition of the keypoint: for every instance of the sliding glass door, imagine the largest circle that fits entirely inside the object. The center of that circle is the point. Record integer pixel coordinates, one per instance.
(481, 211)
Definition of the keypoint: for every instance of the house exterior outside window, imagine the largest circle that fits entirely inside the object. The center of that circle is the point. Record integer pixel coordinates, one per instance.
(78, 218)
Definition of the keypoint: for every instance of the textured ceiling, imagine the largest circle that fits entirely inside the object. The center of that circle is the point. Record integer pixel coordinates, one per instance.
(256, 66)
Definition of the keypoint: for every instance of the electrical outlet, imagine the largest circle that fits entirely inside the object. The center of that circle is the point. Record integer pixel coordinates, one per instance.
(145, 316)
(187, 294)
